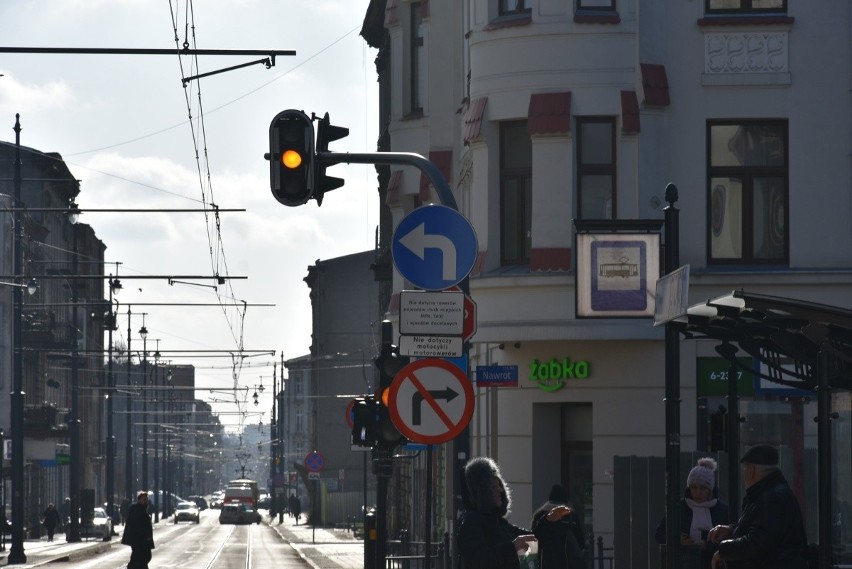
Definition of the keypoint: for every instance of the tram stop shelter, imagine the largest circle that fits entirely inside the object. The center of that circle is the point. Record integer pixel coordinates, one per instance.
(803, 345)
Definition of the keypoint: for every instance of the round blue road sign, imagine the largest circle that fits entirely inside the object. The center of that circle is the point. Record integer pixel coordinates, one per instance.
(434, 247)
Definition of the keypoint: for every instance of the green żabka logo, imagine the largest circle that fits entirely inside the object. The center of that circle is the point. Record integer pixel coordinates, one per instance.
(552, 375)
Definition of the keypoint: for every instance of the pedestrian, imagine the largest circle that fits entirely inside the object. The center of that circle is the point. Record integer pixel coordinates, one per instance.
(770, 532)
(700, 511)
(125, 505)
(559, 532)
(295, 507)
(66, 513)
(485, 538)
(51, 520)
(139, 533)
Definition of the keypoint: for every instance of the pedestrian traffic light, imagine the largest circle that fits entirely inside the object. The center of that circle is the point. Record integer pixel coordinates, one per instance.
(326, 132)
(291, 157)
(364, 422)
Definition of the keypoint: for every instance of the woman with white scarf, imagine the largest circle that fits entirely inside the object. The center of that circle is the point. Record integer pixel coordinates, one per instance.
(701, 510)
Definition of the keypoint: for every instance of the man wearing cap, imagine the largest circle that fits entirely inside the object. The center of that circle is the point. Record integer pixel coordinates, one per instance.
(770, 532)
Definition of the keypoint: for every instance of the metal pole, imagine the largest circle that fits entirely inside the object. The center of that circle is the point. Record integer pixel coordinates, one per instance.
(145, 408)
(733, 444)
(672, 394)
(158, 487)
(76, 450)
(16, 553)
(128, 444)
(2, 493)
(824, 493)
(110, 442)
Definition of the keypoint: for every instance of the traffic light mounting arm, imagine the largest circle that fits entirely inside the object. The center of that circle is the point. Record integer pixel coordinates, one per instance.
(405, 158)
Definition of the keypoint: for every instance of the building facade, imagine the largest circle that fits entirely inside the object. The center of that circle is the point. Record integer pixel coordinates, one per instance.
(549, 115)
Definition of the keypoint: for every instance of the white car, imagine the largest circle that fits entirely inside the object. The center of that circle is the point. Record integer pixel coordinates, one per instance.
(100, 526)
(187, 512)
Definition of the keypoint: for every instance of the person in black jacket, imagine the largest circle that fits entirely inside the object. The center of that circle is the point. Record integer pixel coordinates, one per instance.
(700, 510)
(486, 539)
(51, 520)
(559, 532)
(770, 532)
(139, 533)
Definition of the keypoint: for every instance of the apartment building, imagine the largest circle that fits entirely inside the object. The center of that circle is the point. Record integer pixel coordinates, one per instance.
(548, 117)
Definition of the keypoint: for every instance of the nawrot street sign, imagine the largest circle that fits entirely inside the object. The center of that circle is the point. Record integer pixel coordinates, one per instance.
(431, 401)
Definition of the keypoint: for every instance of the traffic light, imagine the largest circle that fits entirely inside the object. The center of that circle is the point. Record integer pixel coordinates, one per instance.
(364, 422)
(326, 132)
(389, 363)
(291, 157)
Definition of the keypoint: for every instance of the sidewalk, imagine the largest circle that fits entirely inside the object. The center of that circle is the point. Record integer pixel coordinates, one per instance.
(40, 551)
(322, 548)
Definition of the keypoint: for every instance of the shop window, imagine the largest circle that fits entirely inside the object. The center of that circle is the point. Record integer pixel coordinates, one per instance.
(736, 7)
(596, 168)
(515, 193)
(747, 199)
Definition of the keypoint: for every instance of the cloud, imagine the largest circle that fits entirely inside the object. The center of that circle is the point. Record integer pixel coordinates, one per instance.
(21, 97)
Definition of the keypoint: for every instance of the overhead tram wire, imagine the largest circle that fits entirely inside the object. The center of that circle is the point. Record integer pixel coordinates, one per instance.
(219, 254)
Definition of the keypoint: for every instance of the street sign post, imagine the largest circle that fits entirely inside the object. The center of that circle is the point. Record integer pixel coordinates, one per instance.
(434, 247)
(431, 401)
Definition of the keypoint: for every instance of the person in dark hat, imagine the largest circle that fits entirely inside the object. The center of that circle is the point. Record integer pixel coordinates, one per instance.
(485, 538)
(700, 510)
(559, 532)
(770, 532)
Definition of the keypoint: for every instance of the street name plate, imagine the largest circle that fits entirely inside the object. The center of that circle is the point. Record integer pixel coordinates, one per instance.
(431, 346)
(431, 313)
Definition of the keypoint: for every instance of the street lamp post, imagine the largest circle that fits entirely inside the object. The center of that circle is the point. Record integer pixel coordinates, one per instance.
(114, 285)
(76, 451)
(128, 444)
(143, 333)
(16, 553)
(158, 487)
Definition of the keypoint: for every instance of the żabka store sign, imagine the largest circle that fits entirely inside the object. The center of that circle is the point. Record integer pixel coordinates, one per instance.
(552, 375)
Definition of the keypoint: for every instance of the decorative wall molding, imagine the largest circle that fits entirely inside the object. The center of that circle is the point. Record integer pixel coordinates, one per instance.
(735, 53)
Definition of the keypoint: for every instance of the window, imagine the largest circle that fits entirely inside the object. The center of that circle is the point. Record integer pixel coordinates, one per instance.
(298, 426)
(417, 69)
(515, 193)
(607, 5)
(747, 192)
(510, 7)
(596, 168)
(746, 6)
(298, 385)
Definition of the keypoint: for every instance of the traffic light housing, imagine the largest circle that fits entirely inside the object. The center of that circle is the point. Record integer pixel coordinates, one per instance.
(364, 422)
(291, 157)
(389, 364)
(326, 132)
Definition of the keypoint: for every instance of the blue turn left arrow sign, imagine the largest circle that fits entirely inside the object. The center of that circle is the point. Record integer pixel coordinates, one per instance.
(434, 247)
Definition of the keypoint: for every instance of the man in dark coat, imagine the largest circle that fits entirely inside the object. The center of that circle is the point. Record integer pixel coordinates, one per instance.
(51, 520)
(139, 533)
(770, 532)
(485, 537)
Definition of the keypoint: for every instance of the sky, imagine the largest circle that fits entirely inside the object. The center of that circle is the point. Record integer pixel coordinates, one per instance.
(136, 138)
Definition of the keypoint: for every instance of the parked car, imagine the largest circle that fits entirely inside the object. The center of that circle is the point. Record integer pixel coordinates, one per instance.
(230, 514)
(100, 526)
(187, 512)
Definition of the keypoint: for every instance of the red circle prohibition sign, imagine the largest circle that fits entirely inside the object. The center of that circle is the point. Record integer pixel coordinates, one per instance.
(315, 461)
(431, 401)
